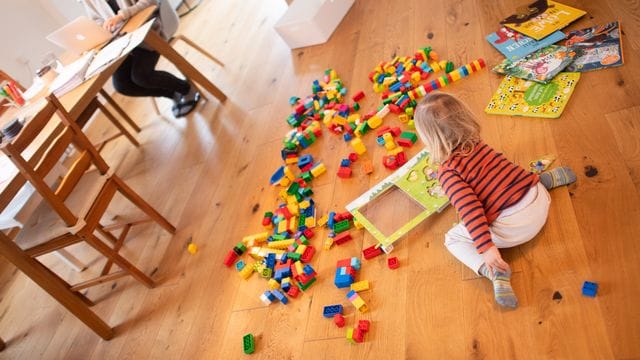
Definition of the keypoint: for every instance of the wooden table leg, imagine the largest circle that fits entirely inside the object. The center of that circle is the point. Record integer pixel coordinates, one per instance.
(54, 286)
(160, 45)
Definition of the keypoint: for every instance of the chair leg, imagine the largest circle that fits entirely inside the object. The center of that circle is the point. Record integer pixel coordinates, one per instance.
(197, 47)
(143, 205)
(123, 263)
(118, 125)
(120, 111)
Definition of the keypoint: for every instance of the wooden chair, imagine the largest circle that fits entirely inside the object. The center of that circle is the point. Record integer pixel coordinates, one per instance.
(78, 203)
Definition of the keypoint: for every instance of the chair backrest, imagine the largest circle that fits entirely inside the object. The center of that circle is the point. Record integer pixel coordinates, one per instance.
(35, 154)
(169, 17)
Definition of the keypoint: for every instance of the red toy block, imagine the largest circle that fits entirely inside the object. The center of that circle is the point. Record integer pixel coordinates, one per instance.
(404, 142)
(371, 252)
(230, 258)
(293, 291)
(401, 158)
(266, 221)
(390, 162)
(393, 263)
(342, 238)
(344, 172)
(394, 108)
(383, 130)
(396, 131)
(307, 254)
(300, 109)
(358, 96)
(308, 233)
(358, 335)
(307, 167)
(343, 263)
(346, 215)
(353, 157)
(363, 325)
(338, 319)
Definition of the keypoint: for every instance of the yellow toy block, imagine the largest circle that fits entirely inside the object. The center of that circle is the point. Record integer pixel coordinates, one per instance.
(443, 64)
(395, 151)
(354, 118)
(292, 224)
(301, 248)
(358, 146)
(350, 335)
(340, 120)
(280, 244)
(469, 69)
(323, 220)
(291, 160)
(441, 82)
(360, 286)
(403, 118)
(304, 204)
(378, 88)
(285, 182)
(415, 77)
(318, 170)
(477, 64)
(357, 224)
(293, 209)
(291, 200)
(328, 243)
(455, 75)
(282, 226)
(289, 174)
(283, 194)
(374, 121)
(359, 304)
(411, 125)
(258, 238)
(434, 65)
(389, 144)
(299, 267)
(246, 272)
(310, 222)
(408, 111)
(333, 75)
(273, 284)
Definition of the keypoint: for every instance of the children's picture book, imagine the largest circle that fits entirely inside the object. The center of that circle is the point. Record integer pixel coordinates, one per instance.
(541, 66)
(598, 47)
(514, 45)
(541, 18)
(401, 201)
(519, 97)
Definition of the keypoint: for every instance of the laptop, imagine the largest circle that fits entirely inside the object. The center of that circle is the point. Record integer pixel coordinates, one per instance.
(80, 35)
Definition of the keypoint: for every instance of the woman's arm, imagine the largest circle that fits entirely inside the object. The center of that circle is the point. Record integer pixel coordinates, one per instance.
(93, 13)
(140, 5)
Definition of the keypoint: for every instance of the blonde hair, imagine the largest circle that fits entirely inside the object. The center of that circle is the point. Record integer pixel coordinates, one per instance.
(444, 123)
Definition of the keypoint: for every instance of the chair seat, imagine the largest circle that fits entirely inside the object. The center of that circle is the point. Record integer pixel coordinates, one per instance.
(45, 224)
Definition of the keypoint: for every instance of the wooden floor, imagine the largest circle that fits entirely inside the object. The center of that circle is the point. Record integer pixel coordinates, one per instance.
(209, 175)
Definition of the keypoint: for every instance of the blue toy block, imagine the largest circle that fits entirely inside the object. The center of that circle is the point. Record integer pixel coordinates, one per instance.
(589, 289)
(271, 261)
(331, 221)
(240, 265)
(270, 296)
(286, 286)
(304, 160)
(280, 296)
(347, 137)
(330, 310)
(355, 263)
(308, 270)
(380, 140)
(345, 163)
(351, 293)
(277, 176)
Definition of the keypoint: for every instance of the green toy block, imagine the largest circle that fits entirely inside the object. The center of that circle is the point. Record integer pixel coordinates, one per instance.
(304, 287)
(307, 192)
(303, 239)
(294, 256)
(409, 136)
(248, 344)
(306, 176)
(387, 101)
(266, 273)
(341, 226)
(449, 67)
(278, 237)
(293, 188)
(356, 106)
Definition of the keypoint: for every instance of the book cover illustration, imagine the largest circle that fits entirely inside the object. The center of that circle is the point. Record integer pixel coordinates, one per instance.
(541, 66)
(519, 97)
(598, 47)
(541, 18)
(514, 45)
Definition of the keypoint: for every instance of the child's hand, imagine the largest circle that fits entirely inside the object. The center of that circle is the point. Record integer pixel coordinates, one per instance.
(110, 24)
(493, 260)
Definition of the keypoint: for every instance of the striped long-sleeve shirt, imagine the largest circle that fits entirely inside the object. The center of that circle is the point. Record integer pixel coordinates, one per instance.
(480, 185)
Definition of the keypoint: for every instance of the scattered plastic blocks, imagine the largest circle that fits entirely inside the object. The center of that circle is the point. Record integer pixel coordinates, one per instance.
(248, 344)
(330, 310)
(342, 238)
(407, 139)
(358, 146)
(280, 296)
(357, 301)
(589, 289)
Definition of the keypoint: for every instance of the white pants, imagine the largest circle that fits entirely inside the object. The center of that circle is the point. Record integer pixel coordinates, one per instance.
(516, 225)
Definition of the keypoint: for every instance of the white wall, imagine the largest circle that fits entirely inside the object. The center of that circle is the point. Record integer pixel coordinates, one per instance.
(26, 23)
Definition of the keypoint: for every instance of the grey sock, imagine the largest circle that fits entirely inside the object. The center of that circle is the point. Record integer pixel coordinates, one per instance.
(557, 177)
(502, 290)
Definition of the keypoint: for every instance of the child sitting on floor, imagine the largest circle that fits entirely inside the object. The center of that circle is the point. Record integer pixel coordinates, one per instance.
(501, 205)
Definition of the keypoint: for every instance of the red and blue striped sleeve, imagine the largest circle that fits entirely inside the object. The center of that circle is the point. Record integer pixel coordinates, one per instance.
(469, 207)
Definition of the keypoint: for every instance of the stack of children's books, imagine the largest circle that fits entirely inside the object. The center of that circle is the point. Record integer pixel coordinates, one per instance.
(540, 73)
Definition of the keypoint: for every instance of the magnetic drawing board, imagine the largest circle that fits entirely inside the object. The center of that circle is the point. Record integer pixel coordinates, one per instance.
(417, 180)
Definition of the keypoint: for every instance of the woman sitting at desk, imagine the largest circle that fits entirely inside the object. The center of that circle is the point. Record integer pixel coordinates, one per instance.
(137, 75)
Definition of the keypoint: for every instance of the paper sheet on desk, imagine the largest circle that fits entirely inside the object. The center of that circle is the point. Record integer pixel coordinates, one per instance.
(138, 36)
(72, 75)
(107, 55)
